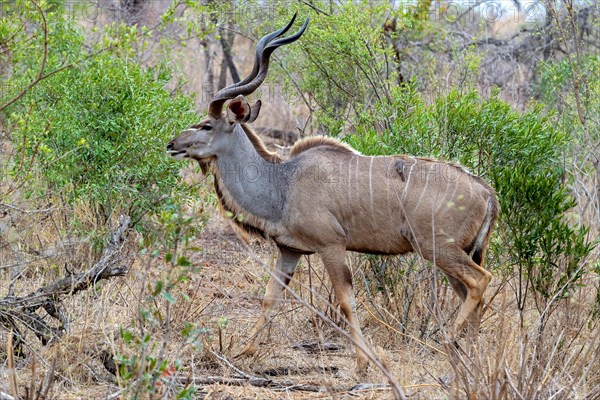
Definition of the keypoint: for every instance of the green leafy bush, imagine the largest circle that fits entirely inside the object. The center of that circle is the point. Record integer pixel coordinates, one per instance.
(520, 154)
(577, 113)
(555, 86)
(95, 133)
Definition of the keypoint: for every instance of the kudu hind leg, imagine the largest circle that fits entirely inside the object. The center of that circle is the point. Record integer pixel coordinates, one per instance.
(341, 279)
(461, 290)
(281, 276)
(474, 318)
(469, 281)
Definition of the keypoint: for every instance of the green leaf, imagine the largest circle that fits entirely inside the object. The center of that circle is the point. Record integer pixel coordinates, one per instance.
(168, 297)
(158, 287)
(184, 262)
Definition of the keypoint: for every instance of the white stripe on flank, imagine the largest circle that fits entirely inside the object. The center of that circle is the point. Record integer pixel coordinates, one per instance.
(356, 172)
(408, 179)
(454, 192)
(443, 201)
(349, 180)
(423, 192)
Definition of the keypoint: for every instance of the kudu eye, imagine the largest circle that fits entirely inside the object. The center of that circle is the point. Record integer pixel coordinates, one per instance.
(206, 127)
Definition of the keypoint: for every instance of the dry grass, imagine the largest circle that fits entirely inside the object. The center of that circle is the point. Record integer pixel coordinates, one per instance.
(513, 358)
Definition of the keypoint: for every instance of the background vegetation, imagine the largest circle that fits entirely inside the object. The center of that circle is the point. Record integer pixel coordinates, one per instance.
(91, 92)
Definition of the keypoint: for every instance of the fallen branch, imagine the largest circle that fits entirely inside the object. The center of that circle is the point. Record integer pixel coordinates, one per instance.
(15, 309)
(280, 385)
(254, 381)
(242, 378)
(317, 347)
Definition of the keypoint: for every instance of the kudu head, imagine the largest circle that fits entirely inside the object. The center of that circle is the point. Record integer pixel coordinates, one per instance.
(205, 140)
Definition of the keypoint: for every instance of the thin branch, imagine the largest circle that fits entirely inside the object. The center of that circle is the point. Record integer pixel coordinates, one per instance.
(229, 58)
(494, 41)
(40, 74)
(318, 10)
(45, 210)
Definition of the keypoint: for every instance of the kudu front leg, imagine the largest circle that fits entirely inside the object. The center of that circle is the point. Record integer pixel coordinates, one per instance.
(281, 276)
(341, 279)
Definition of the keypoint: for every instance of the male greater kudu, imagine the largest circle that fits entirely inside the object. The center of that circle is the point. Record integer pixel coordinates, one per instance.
(327, 198)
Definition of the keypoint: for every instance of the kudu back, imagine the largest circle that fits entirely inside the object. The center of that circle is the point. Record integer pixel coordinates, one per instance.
(328, 198)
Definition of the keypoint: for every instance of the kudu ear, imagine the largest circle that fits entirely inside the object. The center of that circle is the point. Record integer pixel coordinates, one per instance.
(254, 110)
(238, 110)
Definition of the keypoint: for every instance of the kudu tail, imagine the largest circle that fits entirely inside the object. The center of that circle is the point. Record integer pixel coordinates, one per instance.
(476, 249)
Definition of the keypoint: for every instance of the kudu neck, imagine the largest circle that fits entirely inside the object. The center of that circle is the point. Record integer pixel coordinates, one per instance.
(257, 186)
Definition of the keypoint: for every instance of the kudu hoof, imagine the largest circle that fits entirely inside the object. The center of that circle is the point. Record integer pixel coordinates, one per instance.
(362, 366)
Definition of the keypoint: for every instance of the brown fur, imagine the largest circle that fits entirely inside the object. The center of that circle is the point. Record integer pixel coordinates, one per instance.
(317, 141)
(299, 147)
(260, 147)
(246, 229)
(249, 229)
